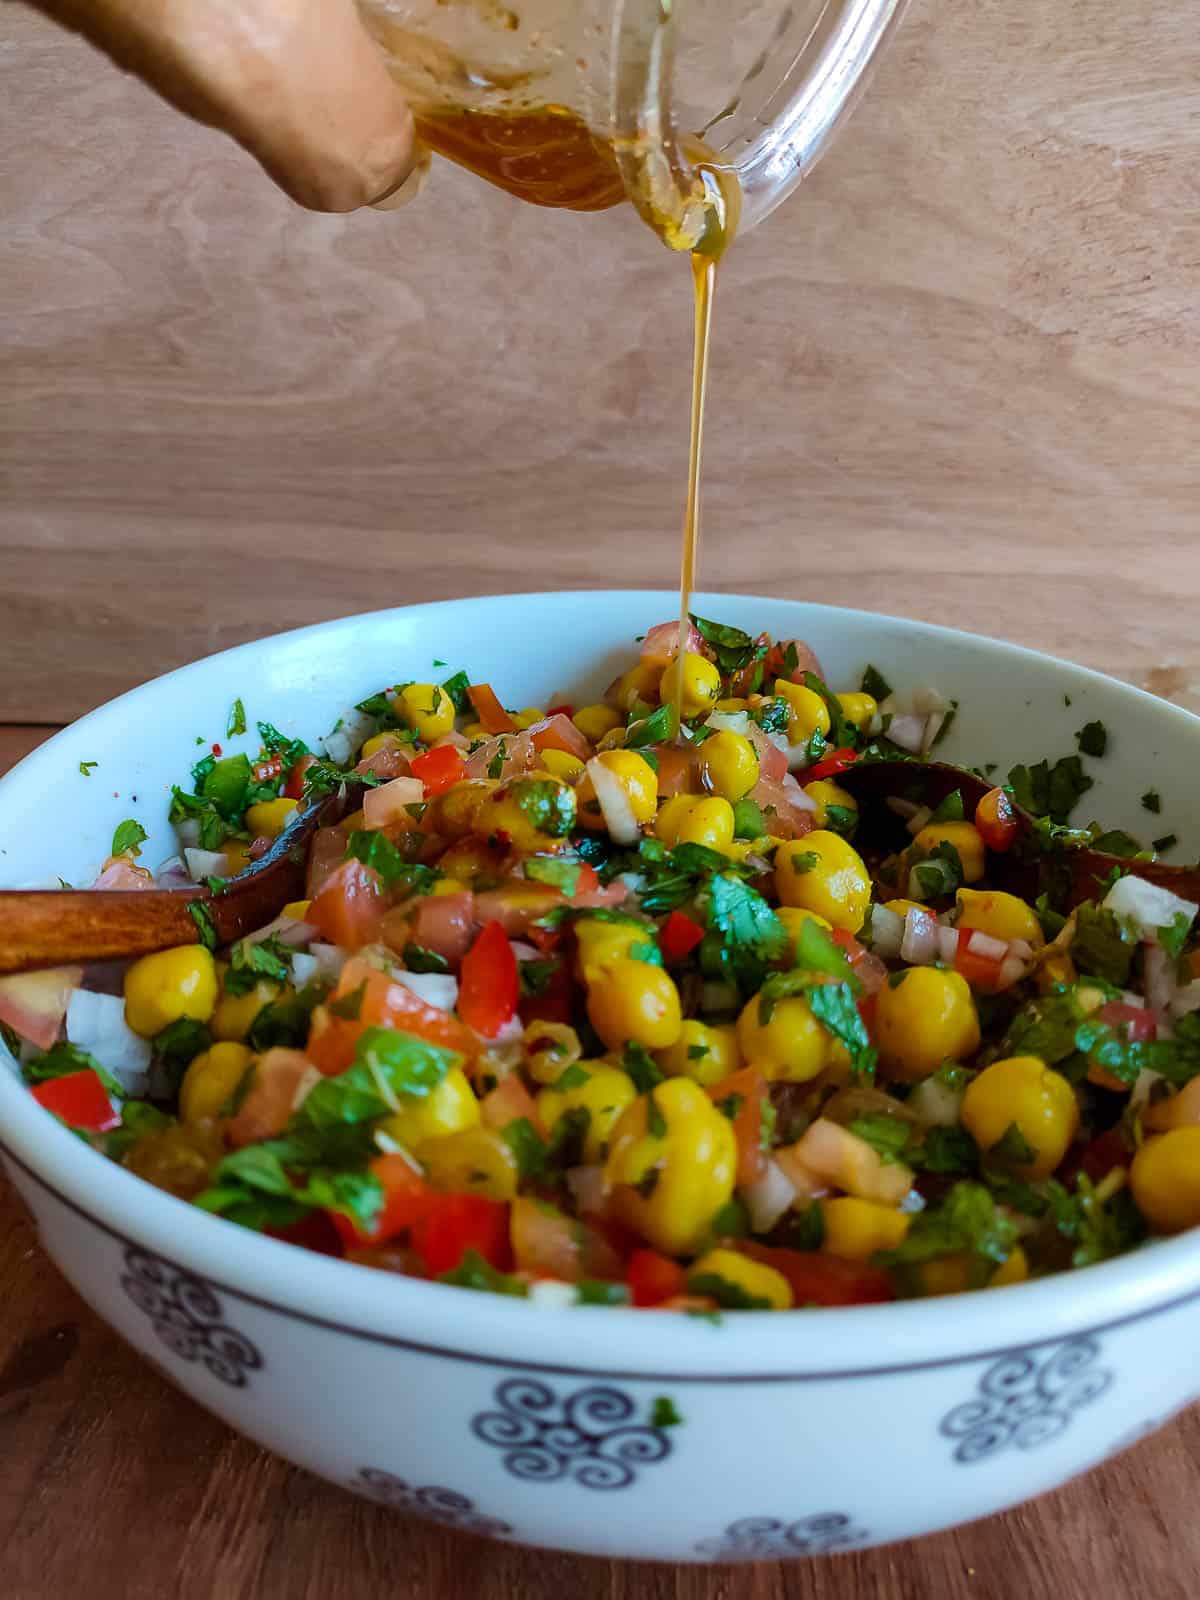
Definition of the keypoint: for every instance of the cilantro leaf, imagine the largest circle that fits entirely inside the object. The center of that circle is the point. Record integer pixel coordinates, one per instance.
(1152, 801)
(1012, 1148)
(547, 804)
(62, 1059)
(665, 1413)
(387, 1065)
(966, 1222)
(1175, 937)
(225, 784)
(834, 1007)
(285, 1021)
(889, 1137)
(730, 1296)
(733, 648)
(86, 767)
(748, 820)
(127, 837)
(199, 914)
(1104, 944)
(1092, 739)
(418, 959)
(474, 1272)
(237, 720)
(751, 934)
(374, 849)
(527, 1145)
(267, 960)
(1050, 791)
(660, 726)
(875, 684)
(842, 732)
(560, 874)
(349, 1005)
(641, 1067)
(178, 1045)
(456, 687)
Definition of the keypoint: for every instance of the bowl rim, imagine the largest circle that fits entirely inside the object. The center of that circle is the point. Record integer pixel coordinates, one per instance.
(831, 1343)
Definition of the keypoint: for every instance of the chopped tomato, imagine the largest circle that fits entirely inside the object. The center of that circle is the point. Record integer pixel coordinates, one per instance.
(80, 1099)
(488, 985)
(791, 659)
(456, 1223)
(661, 643)
(980, 971)
(438, 769)
(829, 766)
(558, 732)
(550, 1244)
(384, 1004)
(820, 1280)
(34, 1004)
(294, 787)
(349, 908)
(488, 709)
(561, 711)
(752, 676)
(1136, 1023)
(653, 1278)
(997, 821)
(508, 1102)
(678, 936)
(748, 1087)
(445, 923)
(406, 1198)
(1101, 1154)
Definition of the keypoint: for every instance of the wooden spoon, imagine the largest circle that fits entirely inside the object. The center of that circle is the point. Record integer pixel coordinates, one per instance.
(1076, 871)
(63, 927)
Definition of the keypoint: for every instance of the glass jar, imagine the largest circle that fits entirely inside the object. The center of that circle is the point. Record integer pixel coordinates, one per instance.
(678, 105)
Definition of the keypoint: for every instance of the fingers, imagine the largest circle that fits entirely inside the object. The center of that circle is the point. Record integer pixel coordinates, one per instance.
(298, 83)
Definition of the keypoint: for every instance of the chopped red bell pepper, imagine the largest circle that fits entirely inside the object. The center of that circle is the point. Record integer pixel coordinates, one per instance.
(488, 709)
(560, 711)
(653, 1278)
(80, 1099)
(439, 769)
(456, 1223)
(678, 936)
(264, 771)
(488, 982)
(980, 971)
(829, 766)
(406, 1198)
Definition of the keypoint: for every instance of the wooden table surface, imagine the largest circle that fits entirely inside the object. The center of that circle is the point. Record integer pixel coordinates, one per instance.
(956, 378)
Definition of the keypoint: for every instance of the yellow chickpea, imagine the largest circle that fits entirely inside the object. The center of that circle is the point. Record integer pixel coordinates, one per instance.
(453, 812)
(671, 815)
(755, 1279)
(857, 708)
(425, 708)
(704, 1053)
(928, 1017)
(807, 712)
(671, 1164)
(234, 1013)
(475, 1161)
(634, 1000)
(822, 873)
(170, 984)
(639, 683)
(269, 818)
(603, 1093)
(1024, 1093)
(1165, 1179)
(708, 822)
(638, 780)
(966, 839)
(595, 721)
(599, 942)
(449, 1108)
(792, 1046)
(855, 1229)
(729, 764)
(826, 793)
(999, 915)
(527, 717)
(561, 765)
(701, 684)
(210, 1080)
(535, 814)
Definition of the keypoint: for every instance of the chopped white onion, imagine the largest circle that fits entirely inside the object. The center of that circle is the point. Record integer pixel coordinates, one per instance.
(435, 988)
(304, 968)
(1148, 904)
(552, 1294)
(875, 726)
(768, 1197)
(947, 944)
(1012, 970)
(589, 1188)
(982, 944)
(925, 699)
(330, 959)
(908, 732)
(96, 1023)
(902, 808)
(887, 932)
(187, 830)
(1021, 948)
(511, 1032)
(797, 756)
(1128, 998)
(1161, 985)
(918, 819)
(614, 804)
(934, 724)
(351, 728)
(919, 946)
(172, 874)
(523, 951)
(935, 1103)
(288, 930)
(203, 864)
(797, 798)
(731, 721)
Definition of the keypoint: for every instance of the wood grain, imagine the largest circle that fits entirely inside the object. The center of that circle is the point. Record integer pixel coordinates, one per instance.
(107, 1470)
(956, 377)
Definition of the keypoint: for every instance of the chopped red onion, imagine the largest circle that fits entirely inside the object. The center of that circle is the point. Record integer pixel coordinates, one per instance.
(926, 699)
(982, 944)
(887, 932)
(947, 943)
(1161, 984)
(614, 804)
(435, 988)
(1012, 970)
(768, 1197)
(351, 728)
(1148, 904)
(203, 864)
(909, 733)
(919, 946)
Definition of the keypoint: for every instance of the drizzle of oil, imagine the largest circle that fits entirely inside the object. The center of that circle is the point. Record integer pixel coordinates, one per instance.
(704, 281)
(547, 155)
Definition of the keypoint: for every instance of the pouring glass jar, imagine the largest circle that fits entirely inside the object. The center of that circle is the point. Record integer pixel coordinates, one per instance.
(692, 109)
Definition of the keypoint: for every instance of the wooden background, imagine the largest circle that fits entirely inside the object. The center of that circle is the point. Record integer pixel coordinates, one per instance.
(956, 378)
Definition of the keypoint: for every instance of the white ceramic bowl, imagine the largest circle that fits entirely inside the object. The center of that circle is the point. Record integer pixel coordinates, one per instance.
(802, 1432)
